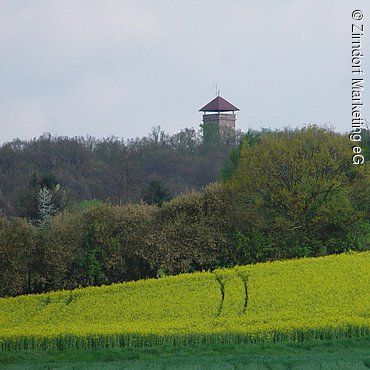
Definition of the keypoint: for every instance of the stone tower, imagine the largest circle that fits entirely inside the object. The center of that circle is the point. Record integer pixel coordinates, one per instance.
(218, 120)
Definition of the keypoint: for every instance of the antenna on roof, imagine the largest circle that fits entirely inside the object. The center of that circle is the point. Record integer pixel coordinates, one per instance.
(217, 91)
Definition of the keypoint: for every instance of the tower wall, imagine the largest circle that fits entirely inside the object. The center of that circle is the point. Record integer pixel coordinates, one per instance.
(223, 120)
(219, 127)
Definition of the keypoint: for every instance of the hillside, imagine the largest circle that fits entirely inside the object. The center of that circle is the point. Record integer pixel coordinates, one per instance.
(326, 297)
(284, 194)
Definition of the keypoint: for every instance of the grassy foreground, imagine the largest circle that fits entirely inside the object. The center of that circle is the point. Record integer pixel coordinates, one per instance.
(351, 354)
(297, 300)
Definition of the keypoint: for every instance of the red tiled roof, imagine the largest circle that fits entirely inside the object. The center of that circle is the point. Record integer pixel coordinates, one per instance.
(218, 104)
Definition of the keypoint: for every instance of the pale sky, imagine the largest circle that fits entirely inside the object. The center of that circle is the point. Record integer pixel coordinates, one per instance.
(120, 67)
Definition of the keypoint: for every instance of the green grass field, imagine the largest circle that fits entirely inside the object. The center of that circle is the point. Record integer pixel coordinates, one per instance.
(296, 300)
(351, 354)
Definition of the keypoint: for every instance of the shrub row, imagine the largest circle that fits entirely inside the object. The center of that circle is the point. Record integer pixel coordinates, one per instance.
(107, 244)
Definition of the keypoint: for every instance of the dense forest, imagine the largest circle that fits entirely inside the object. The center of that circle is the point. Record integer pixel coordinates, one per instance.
(111, 170)
(79, 212)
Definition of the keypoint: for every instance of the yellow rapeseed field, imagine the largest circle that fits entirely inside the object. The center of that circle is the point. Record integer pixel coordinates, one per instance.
(326, 297)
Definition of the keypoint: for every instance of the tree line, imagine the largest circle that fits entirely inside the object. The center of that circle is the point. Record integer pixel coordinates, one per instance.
(281, 194)
(112, 170)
